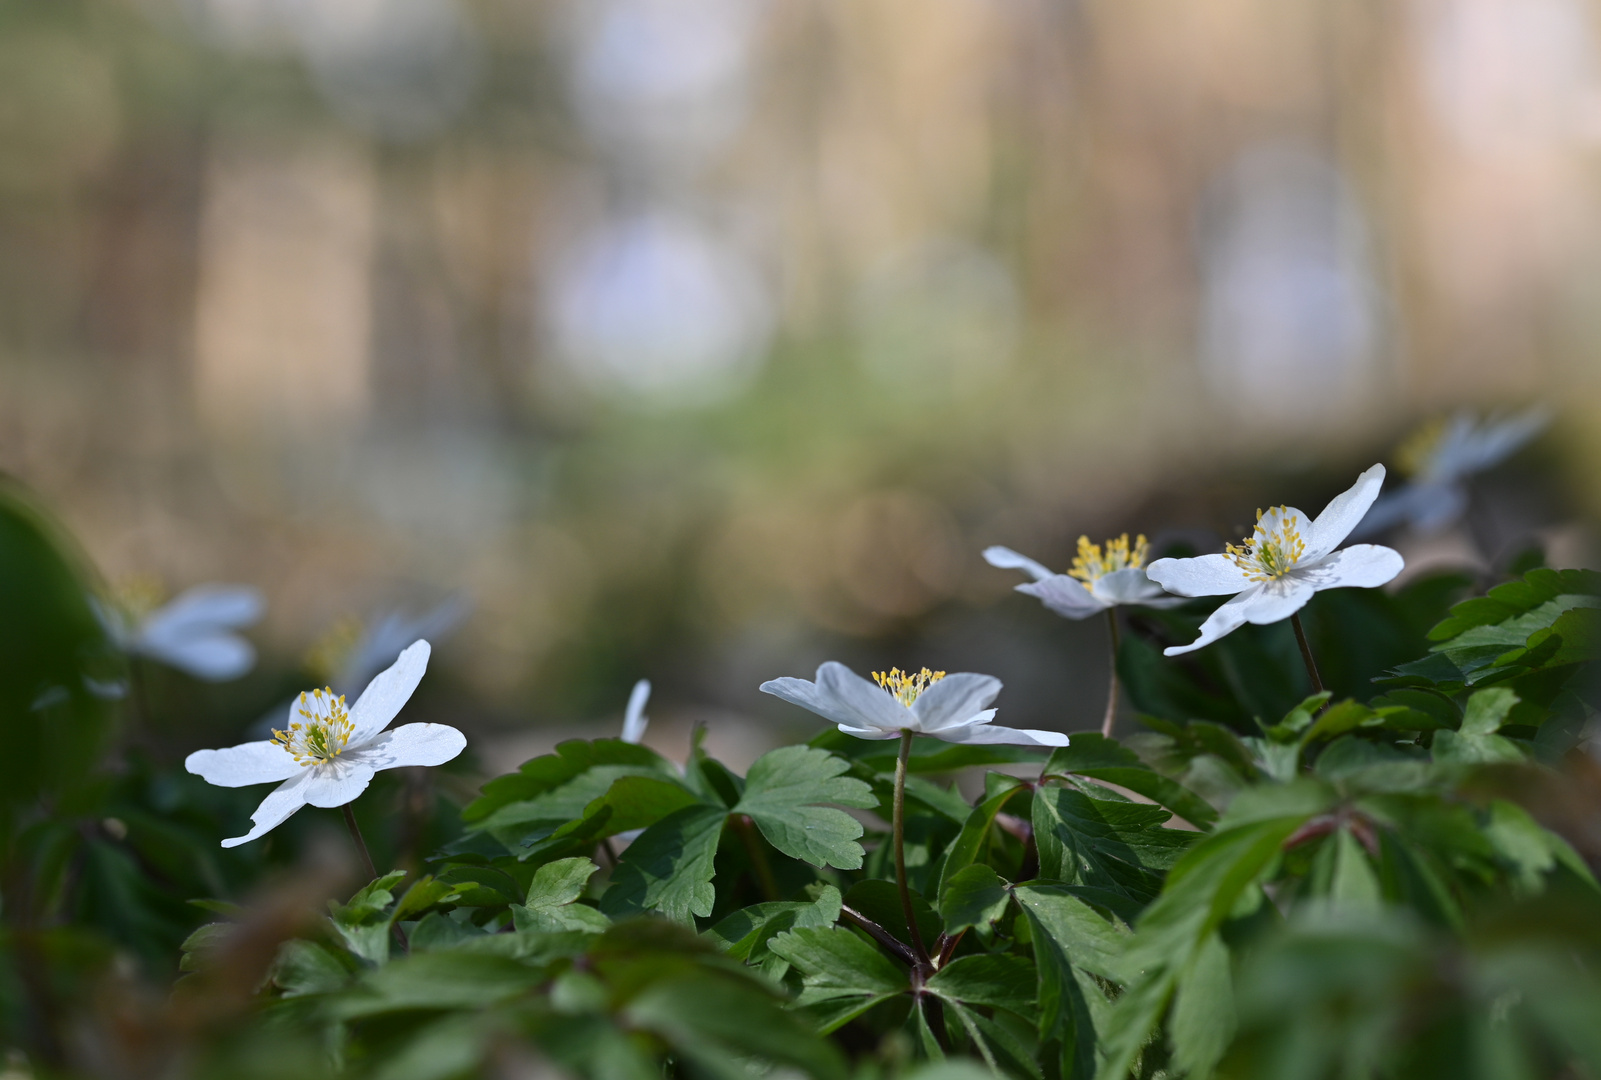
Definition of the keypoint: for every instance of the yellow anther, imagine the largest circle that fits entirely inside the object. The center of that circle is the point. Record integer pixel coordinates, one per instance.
(325, 732)
(1273, 550)
(1091, 565)
(139, 595)
(905, 687)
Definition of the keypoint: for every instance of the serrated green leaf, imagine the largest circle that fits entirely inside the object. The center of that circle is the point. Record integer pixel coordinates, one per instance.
(424, 893)
(1121, 846)
(838, 966)
(1203, 1020)
(969, 843)
(304, 967)
(669, 868)
(976, 896)
(780, 792)
(549, 782)
(452, 979)
(1079, 935)
(560, 882)
(998, 980)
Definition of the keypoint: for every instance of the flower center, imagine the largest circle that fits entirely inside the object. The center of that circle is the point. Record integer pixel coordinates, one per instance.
(138, 596)
(1417, 450)
(1274, 549)
(329, 653)
(1091, 565)
(904, 686)
(322, 735)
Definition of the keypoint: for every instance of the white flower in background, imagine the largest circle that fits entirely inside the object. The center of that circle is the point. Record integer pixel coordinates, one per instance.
(193, 633)
(634, 720)
(1438, 461)
(351, 654)
(1097, 581)
(949, 707)
(328, 753)
(1274, 572)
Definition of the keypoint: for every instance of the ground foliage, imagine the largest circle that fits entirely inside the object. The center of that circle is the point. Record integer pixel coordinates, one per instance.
(1263, 883)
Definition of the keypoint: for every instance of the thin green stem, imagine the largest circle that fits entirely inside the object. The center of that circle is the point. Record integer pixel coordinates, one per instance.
(361, 844)
(758, 858)
(1111, 693)
(899, 827)
(1306, 653)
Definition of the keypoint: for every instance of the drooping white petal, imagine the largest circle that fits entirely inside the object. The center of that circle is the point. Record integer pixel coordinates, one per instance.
(1066, 596)
(870, 732)
(872, 706)
(954, 701)
(991, 734)
(336, 783)
(1274, 601)
(1132, 585)
(410, 744)
(1226, 619)
(1362, 566)
(243, 765)
(1004, 558)
(634, 720)
(1344, 512)
(275, 809)
(808, 695)
(1489, 444)
(214, 656)
(1206, 575)
(387, 693)
(208, 607)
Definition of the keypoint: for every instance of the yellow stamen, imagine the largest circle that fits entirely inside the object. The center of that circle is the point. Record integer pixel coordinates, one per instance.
(1272, 551)
(323, 735)
(328, 654)
(904, 686)
(1090, 565)
(138, 595)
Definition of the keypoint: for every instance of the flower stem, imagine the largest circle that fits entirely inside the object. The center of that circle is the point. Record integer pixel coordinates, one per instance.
(361, 845)
(899, 827)
(1306, 653)
(1111, 693)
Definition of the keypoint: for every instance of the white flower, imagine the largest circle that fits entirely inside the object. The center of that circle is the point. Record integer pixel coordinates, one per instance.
(328, 754)
(1276, 570)
(1440, 458)
(949, 707)
(1096, 581)
(193, 633)
(634, 720)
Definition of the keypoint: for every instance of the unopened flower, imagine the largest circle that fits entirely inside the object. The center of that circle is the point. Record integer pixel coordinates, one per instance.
(193, 633)
(1098, 579)
(949, 707)
(1438, 461)
(634, 720)
(1275, 571)
(328, 753)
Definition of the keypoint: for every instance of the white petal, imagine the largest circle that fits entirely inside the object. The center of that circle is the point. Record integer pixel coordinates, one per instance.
(392, 632)
(208, 606)
(1226, 619)
(243, 765)
(990, 734)
(1438, 506)
(1133, 586)
(275, 809)
(635, 720)
(1066, 596)
(1362, 566)
(873, 706)
(213, 656)
(1005, 558)
(806, 694)
(1479, 447)
(870, 732)
(336, 784)
(387, 693)
(954, 701)
(1344, 512)
(409, 744)
(1207, 575)
(1277, 600)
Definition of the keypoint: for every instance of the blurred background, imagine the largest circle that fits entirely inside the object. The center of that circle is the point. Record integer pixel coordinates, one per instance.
(703, 340)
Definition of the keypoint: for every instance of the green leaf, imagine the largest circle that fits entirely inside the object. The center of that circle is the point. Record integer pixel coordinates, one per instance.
(304, 967)
(994, 979)
(669, 867)
(1117, 845)
(1203, 1020)
(1079, 936)
(969, 843)
(1530, 849)
(780, 791)
(424, 893)
(745, 934)
(558, 786)
(1093, 755)
(880, 901)
(976, 896)
(836, 966)
(440, 980)
(551, 905)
